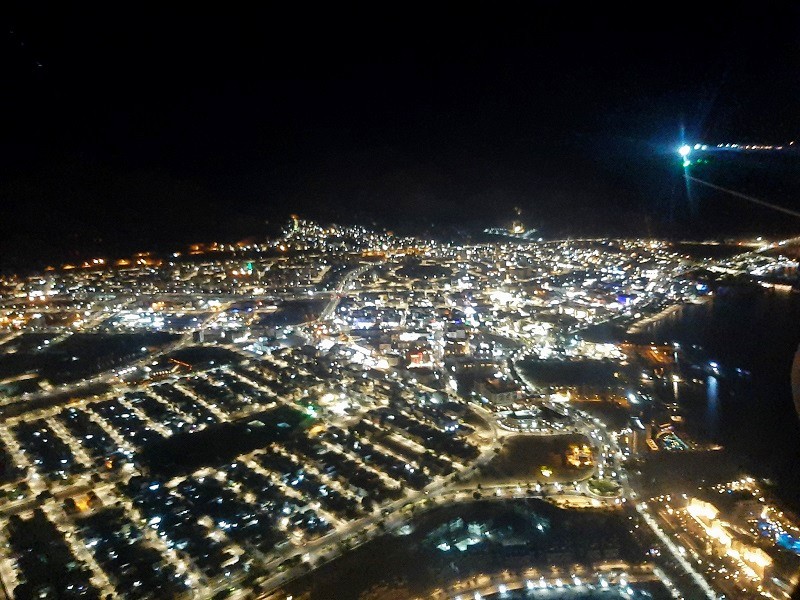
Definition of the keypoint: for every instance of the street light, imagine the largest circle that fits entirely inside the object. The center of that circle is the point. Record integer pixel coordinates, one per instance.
(684, 152)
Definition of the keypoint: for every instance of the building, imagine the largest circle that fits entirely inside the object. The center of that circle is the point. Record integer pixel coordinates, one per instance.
(500, 391)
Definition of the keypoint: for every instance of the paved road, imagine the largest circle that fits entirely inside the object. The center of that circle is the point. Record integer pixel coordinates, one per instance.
(500, 583)
(336, 297)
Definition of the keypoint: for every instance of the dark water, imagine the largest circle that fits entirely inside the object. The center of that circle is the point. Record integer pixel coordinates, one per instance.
(757, 330)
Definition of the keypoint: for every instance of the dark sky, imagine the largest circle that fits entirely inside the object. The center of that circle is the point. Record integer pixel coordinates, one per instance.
(125, 127)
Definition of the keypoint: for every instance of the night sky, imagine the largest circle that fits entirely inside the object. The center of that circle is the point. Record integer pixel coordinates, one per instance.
(124, 127)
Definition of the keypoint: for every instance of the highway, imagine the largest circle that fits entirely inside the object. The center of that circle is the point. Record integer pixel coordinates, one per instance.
(344, 284)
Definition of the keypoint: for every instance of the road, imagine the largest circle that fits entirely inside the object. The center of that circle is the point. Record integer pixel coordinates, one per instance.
(441, 492)
(110, 377)
(336, 296)
(532, 581)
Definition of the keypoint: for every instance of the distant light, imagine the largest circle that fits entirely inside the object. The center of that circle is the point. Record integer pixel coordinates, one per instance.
(684, 150)
(696, 147)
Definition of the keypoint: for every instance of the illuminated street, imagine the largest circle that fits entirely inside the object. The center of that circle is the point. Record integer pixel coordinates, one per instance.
(253, 433)
(387, 302)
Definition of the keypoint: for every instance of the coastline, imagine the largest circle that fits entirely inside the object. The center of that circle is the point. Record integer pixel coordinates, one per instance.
(638, 326)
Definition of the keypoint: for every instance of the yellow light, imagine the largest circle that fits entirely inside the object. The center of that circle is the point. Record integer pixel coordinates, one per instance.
(718, 533)
(699, 509)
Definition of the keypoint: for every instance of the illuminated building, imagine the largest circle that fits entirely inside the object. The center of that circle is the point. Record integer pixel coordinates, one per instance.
(498, 390)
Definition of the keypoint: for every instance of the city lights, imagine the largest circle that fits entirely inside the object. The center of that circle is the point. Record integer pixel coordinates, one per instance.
(333, 393)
